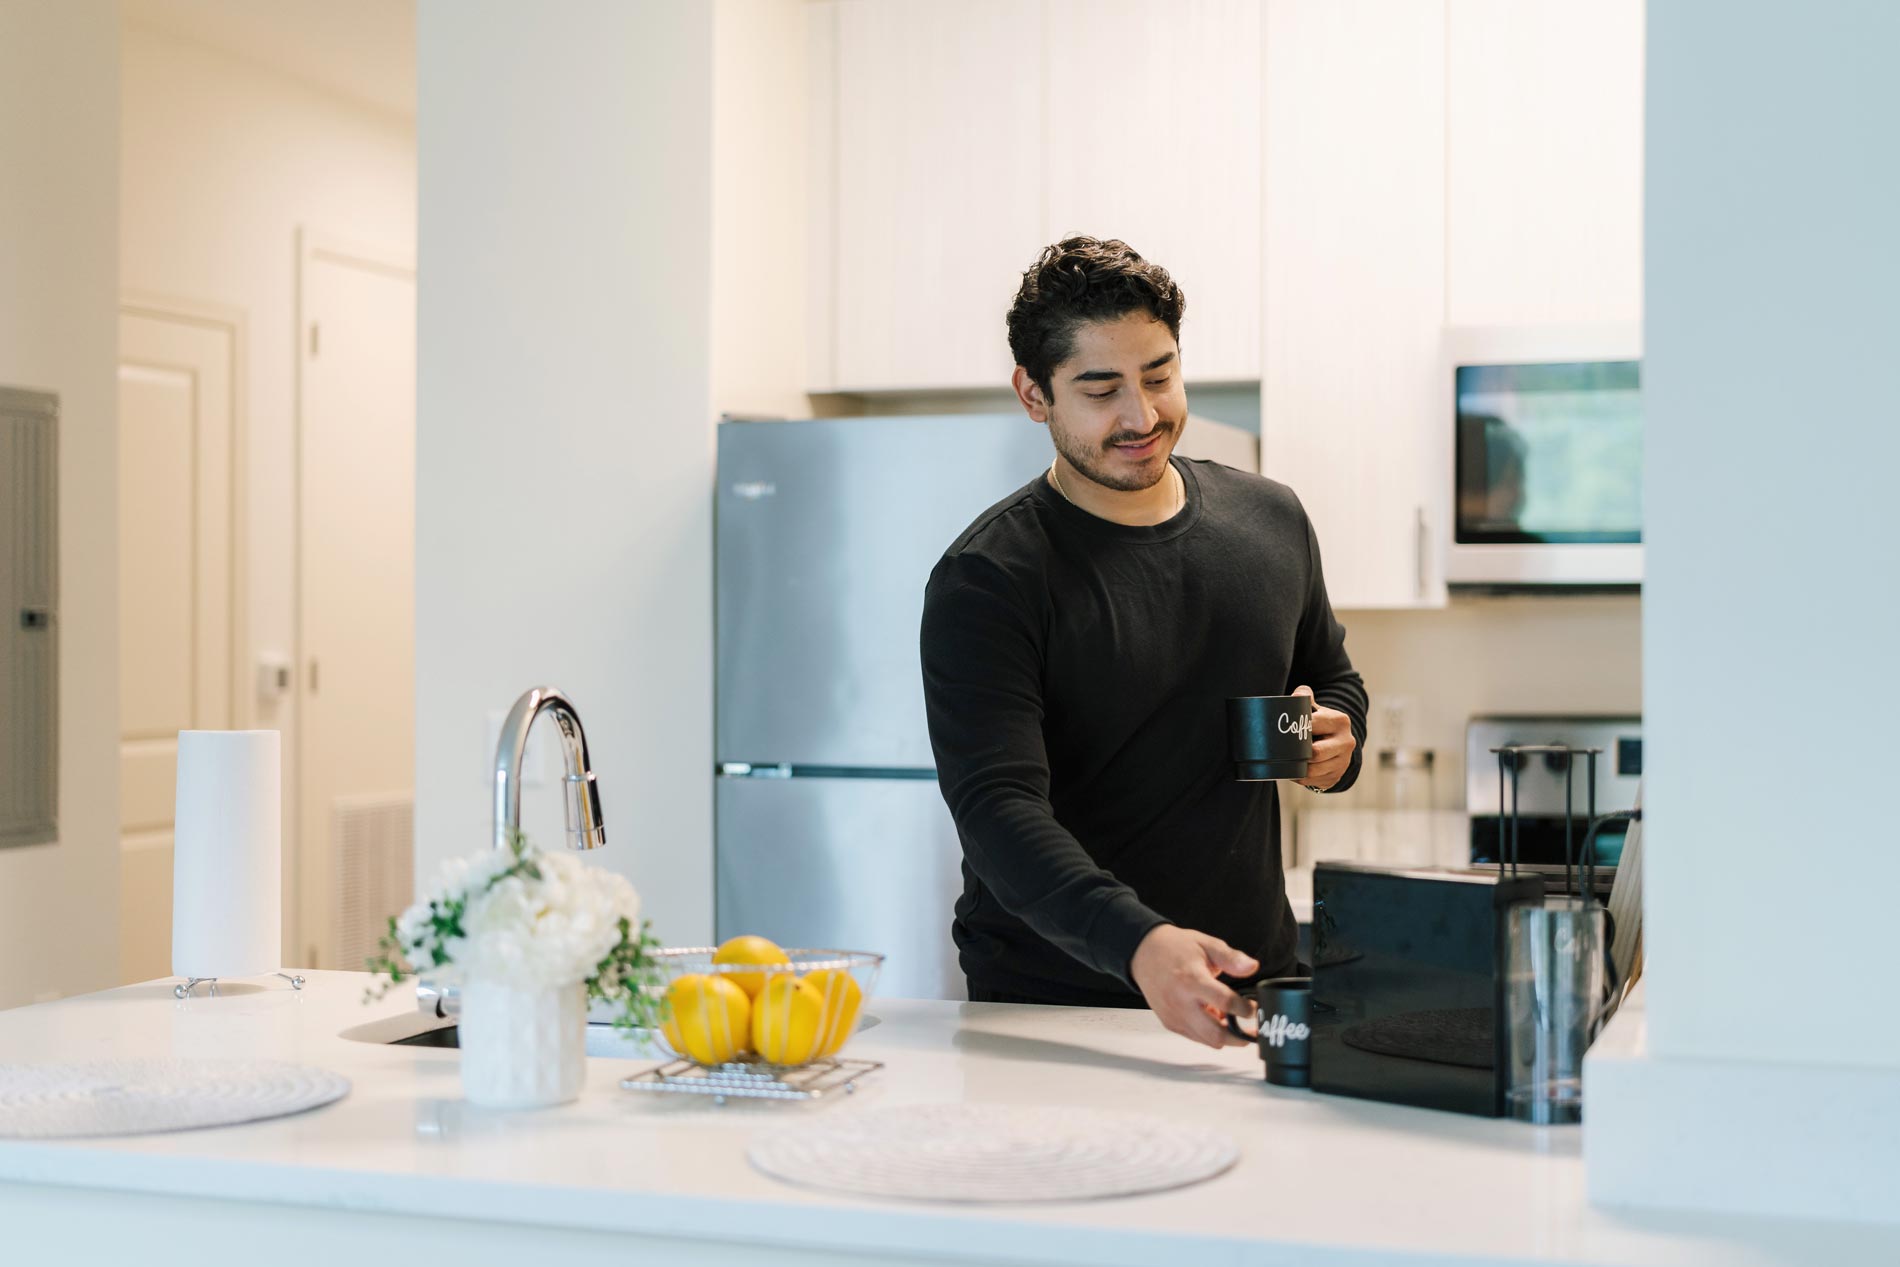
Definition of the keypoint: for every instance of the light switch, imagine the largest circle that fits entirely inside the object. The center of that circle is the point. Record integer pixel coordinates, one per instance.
(273, 676)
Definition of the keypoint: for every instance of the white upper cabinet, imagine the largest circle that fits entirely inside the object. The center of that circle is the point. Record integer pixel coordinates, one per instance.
(1545, 163)
(1154, 138)
(1333, 182)
(952, 141)
(935, 191)
(1355, 408)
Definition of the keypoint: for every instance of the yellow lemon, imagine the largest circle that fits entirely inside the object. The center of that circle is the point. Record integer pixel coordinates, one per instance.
(749, 950)
(842, 997)
(785, 1020)
(708, 1018)
(670, 1030)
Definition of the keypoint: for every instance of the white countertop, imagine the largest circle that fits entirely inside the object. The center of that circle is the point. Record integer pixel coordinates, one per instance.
(1321, 1179)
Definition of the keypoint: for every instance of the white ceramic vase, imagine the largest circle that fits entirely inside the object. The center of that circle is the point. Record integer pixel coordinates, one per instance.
(523, 1048)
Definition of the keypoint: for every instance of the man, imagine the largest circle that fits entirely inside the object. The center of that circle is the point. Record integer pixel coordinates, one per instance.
(1080, 641)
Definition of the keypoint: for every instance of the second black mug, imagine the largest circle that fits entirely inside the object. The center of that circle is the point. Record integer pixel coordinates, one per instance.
(1284, 1029)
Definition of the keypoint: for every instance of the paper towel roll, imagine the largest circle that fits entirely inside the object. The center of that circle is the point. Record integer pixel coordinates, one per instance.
(227, 855)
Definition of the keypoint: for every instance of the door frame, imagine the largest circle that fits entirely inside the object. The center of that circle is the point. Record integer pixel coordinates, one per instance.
(235, 323)
(314, 246)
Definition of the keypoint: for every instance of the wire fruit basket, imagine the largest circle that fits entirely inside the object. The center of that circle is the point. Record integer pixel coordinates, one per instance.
(740, 1080)
(762, 1029)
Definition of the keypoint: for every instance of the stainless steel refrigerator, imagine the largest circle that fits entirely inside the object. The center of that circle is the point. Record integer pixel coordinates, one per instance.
(830, 829)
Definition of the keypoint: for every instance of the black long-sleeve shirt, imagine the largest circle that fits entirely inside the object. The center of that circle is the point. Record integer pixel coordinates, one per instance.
(1076, 673)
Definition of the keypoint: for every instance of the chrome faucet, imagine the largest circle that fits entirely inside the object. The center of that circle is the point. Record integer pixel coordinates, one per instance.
(582, 793)
(582, 796)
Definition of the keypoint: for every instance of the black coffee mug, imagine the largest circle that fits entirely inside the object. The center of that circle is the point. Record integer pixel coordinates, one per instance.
(1270, 736)
(1284, 1012)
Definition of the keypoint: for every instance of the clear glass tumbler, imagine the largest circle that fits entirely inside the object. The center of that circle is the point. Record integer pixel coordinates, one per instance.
(1556, 998)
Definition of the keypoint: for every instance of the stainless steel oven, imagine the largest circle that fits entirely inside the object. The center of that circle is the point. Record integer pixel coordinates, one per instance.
(1546, 836)
(1547, 460)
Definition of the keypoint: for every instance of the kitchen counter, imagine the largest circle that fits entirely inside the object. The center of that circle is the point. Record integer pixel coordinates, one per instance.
(403, 1167)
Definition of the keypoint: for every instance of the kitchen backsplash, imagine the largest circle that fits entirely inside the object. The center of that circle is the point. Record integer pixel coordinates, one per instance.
(1498, 655)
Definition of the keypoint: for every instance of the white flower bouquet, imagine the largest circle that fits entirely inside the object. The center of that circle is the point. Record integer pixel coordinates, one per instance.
(531, 921)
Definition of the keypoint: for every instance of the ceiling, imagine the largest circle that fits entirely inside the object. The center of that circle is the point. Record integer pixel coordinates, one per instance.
(361, 49)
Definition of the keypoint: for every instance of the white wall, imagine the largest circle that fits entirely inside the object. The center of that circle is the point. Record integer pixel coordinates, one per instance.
(59, 125)
(223, 161)
(1773, 602)
(565, 445)
(1763, 1076)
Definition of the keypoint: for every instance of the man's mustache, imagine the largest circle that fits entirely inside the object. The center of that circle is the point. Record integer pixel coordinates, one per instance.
(1138, 437)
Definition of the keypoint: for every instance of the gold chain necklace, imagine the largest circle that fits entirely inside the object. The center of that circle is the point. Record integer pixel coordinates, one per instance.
(1180, 488)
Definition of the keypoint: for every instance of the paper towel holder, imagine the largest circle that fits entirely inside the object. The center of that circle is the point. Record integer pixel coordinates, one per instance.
(227, 860)
(183, 991)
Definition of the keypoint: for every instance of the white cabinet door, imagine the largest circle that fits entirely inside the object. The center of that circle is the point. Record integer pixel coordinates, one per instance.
(1355, 408)
(1545, 166)
(1154, 138)
(937, 190)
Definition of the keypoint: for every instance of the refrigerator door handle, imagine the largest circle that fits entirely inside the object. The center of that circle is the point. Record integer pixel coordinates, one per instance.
(781, 770)
(746, 770)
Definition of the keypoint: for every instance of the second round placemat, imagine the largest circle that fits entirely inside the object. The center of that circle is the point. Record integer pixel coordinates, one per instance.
(994, 1152)
(139, 1097)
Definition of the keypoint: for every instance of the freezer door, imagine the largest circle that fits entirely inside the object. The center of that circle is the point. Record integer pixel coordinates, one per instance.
(827, 532)
(847, 864)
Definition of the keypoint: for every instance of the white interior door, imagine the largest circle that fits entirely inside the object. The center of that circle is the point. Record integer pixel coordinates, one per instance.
(356, 598)
(179, 536)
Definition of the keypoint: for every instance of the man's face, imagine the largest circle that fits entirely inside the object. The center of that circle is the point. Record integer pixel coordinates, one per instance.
(1116, 407)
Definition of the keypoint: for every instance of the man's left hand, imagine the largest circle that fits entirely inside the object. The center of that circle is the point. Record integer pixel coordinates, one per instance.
(1332, 744)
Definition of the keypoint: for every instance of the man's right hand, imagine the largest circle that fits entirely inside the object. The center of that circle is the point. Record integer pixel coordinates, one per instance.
(1175, 969)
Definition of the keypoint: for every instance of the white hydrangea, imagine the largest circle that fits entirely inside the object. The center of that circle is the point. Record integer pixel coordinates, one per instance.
(522, 931)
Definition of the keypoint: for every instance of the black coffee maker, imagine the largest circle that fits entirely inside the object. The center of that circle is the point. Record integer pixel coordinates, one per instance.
(1421, 997)
(1409, 971)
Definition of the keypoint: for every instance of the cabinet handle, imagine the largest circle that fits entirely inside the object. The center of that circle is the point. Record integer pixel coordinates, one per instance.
(1418, 551)
(313, 675)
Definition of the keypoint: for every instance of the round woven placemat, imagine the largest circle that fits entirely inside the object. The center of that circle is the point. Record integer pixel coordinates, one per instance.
(994, 1152)
(140, 1097)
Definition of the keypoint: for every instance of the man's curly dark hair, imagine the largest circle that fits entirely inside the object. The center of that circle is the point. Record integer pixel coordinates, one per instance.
(1080, 280)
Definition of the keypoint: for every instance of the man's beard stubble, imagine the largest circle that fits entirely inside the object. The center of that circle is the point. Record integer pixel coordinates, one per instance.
(1091, 460)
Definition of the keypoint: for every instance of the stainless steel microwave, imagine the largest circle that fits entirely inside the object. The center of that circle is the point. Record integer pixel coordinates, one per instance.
(1547, 456)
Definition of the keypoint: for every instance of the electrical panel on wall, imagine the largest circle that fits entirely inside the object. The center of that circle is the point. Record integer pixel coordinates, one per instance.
(29, 632)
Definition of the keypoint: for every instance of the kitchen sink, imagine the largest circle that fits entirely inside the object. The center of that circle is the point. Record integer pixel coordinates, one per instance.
(602, 1040)
(422, 1030)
